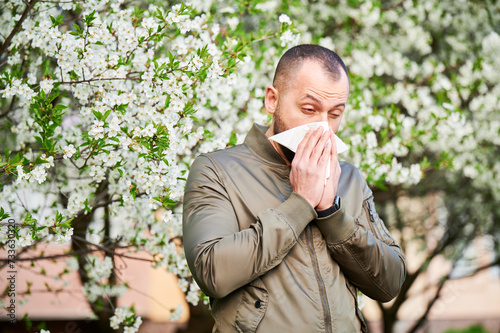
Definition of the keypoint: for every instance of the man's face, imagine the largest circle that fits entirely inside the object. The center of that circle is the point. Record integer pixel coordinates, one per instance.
(312, 96)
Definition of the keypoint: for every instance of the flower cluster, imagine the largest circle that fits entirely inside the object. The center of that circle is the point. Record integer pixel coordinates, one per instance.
(126, 317)
(98, 272)
(175, 314)
(98, 269)
(39, 172)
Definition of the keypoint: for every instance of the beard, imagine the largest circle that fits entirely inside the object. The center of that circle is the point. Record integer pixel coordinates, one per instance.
(278, 127)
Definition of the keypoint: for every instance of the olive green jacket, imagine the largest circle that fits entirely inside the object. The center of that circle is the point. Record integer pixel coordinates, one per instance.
(265, 259)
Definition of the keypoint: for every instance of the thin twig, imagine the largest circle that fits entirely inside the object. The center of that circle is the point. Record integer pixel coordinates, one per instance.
(14, 31)
(81, 239)
(100, 79)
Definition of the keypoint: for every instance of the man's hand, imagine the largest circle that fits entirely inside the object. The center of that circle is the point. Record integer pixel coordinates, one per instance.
(309, 165)
(330, 190)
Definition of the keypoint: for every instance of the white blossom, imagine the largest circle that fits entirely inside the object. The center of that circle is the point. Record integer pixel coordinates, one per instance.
(285, 19)
(68, 151)
(289, 39)
(371, 140)
(176, 313)
(233, 22)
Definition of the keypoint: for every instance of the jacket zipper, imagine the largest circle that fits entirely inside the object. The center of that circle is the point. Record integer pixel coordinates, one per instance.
(321, 283)
(368, 210)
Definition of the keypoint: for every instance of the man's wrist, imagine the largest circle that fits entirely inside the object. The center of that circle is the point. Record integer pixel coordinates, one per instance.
(329, 211)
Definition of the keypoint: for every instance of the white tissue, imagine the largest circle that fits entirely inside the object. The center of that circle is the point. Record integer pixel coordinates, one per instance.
(292, 137)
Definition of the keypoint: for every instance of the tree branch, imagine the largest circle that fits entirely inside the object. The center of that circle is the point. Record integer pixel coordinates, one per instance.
(100, 79)
(102, 248)
(55, 256)
(14, 31)
(389, 313)
(441, 284)
(423, 318)
(481, 268)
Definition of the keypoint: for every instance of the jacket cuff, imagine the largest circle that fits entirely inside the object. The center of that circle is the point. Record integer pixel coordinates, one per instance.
(297, 211)
(337, 226)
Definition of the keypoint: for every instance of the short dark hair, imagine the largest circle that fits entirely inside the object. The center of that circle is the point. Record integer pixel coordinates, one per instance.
(292, 59)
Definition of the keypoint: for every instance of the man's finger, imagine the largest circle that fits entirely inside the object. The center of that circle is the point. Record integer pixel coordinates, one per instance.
(302, 144)
(334, 157)
(321, 148)
(308, 143)
(325, 156)
(334, 145)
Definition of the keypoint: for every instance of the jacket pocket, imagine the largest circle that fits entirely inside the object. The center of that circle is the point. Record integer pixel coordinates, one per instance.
(252, 308)
(377, 226)
(354, 293)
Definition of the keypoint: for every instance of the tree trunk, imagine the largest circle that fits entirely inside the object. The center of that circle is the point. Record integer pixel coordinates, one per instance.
(200, 320)
(101, 307)
(388, 320)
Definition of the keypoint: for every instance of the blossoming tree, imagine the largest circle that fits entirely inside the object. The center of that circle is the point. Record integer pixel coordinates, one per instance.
(105, 104)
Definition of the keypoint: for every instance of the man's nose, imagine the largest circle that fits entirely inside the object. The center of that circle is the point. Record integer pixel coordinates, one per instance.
(323, 116)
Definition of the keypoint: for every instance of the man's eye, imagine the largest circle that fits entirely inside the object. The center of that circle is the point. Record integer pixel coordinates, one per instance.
(308, 110)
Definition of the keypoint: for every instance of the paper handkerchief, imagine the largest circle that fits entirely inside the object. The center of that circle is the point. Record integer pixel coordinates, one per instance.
(292, 137)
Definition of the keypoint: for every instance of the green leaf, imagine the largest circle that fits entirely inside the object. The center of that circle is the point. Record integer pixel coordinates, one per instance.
(25, 318)
(89, 18)
(60, 107)
(78, 29)
(133, 190)
(106, 114)
(73, 76)
(3, 215)
(232, 139)
(98, 115)
(170, 202)
(122, 108)
(56, 21)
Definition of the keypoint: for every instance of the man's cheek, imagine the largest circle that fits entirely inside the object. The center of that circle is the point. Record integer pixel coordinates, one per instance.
(335, 124)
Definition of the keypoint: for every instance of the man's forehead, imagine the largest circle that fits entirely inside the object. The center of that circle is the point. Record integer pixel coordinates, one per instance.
(313, 83)
(310, 73)
(316, 70)
(335, 97)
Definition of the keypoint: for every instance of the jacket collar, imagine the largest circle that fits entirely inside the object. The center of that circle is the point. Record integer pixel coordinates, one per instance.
(257, 140)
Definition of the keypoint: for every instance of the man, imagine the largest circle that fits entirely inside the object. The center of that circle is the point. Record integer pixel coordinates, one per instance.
(275, 248)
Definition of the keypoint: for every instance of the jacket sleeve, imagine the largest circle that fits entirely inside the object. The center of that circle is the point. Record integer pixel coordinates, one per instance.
(365, 251)
(221, 257)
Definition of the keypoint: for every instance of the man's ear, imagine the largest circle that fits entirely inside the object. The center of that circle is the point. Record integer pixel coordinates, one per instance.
(271, 99)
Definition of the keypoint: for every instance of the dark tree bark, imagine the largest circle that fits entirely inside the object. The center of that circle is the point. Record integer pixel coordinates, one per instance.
(103, 307)
(200, 320)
